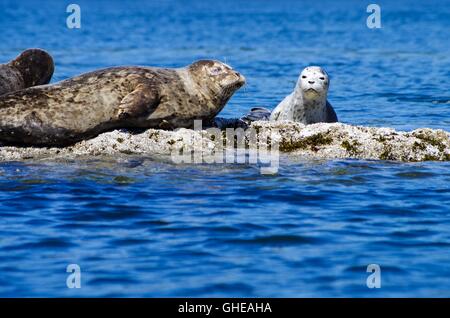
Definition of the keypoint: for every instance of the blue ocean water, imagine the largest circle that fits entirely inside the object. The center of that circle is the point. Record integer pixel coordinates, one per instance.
(139, 226)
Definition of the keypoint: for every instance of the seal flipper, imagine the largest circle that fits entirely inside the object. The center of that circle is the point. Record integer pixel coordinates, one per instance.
(143, 100)
(223, 123)
(256, 114)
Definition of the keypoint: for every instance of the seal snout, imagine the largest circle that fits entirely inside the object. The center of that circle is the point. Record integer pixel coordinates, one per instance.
(240, 78)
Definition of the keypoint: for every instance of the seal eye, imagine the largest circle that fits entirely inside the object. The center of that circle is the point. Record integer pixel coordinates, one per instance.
(304, 76)
(322, 78)
(216, 70)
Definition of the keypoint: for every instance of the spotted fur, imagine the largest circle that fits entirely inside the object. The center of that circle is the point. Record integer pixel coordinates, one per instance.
(120, 97)
(31, 68)
(308, 103)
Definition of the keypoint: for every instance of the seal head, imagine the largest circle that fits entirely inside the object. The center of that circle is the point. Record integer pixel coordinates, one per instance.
(313, 83)
(36, 67)
(31, 68)
(216, 79)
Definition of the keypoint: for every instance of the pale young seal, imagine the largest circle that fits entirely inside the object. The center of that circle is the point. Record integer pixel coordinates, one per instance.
(308, 103)
(31, 68)
(121, 97)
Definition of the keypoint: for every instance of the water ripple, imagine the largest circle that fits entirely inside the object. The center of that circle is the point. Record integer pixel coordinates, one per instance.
(141, 226)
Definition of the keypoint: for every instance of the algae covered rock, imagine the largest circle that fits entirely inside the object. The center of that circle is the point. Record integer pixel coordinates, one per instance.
(321, 140)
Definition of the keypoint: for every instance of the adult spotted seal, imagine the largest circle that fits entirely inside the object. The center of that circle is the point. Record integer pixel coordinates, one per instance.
(120, 97)
(31, 68)
(307, 104)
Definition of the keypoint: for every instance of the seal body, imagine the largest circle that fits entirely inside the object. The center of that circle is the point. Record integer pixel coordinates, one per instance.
(308, 103)
(121, 97)
(31, 68)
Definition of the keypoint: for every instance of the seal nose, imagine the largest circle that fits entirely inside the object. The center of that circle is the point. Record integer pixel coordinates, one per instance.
(311, 82)
(240, 76)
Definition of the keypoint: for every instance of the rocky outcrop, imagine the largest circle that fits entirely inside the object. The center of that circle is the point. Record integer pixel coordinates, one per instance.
(319, 140)
(346, 141)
